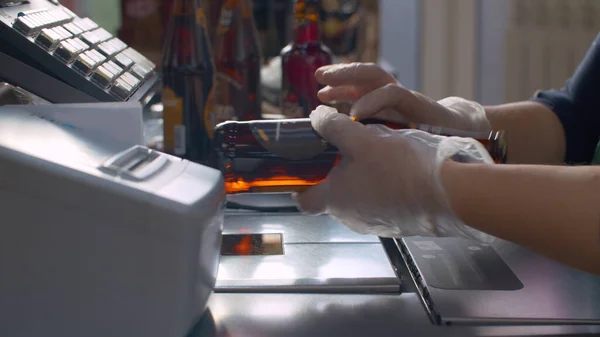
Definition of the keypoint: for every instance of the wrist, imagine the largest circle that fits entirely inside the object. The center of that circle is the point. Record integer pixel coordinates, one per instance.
(453, 176)
(472, 115)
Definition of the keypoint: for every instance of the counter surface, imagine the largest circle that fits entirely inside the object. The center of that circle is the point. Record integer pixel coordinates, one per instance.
(267, 314)
(302, 315)
(320, 314)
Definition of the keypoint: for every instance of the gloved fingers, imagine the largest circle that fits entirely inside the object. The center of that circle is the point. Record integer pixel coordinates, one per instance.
(388, 97)
(464, 150)
(389, 115)
(313, 201)
(346, 93)
(338, 129)
(364, 74)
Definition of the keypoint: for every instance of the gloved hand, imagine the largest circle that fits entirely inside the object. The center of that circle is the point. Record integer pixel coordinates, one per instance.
(375, 93)
(387, 182)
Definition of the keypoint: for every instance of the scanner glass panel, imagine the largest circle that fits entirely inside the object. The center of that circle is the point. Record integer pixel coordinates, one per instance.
(252, 244)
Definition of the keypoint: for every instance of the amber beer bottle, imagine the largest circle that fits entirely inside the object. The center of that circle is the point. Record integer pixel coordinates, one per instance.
(288, 155)
(187, 71)
(300, 59)
(237, 93)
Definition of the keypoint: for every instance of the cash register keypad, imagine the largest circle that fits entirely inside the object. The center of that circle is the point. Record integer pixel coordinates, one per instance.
(93, 52)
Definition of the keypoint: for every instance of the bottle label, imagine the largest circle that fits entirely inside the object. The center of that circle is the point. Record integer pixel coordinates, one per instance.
(288, 139)
(226, 17)
(201, 18)
(174, 129)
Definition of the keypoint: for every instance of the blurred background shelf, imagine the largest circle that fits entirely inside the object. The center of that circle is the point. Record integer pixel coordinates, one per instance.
(477, 49)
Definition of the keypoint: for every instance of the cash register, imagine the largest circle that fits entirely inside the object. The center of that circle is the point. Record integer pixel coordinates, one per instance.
(63, 58)
(98, 237)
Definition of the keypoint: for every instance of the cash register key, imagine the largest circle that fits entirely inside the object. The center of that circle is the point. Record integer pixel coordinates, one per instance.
(139, 58)
(67, 12)
(62, 16)
(48, 39)
(103, 76)
(39, 24)
(90, 38)
(84, 63)
(64, 34)
(81, 46)
(112, 47)
(113, 67)
(123, 60)
(67, 51)
(118, 44)
(55, 17)
(140, 71)
(44, 18)
(85, 24)
(131, 80)
(24, 25)
(90, 23)
(96, 56)
(27, 26)
(102, 34)
(121, 88)
(72, 28)
(96, 36)
(106, 48)
(49, 20)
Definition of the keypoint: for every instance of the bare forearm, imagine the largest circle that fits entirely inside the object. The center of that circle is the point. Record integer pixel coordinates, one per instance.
(534, 133)
(550, 209)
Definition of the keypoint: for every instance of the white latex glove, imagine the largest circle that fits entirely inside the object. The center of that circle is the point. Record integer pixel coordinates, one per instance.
(375, 93)
(387, 182)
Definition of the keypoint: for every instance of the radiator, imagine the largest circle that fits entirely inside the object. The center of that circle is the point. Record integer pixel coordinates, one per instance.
(545, 41)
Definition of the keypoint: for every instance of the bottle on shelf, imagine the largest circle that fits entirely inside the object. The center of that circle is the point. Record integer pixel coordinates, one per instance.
(288, 155)
(188, 72)
(212, 8)
(300, 59)
(237, 92)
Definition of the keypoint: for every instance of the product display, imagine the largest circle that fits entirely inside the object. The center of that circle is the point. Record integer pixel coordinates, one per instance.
(300, 59)
(236, 94)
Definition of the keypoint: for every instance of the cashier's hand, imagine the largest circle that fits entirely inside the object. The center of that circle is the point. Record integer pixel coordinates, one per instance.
(376, 93)
(387, 182)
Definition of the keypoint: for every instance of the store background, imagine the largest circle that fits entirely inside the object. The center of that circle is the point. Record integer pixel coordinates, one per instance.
(493, 51)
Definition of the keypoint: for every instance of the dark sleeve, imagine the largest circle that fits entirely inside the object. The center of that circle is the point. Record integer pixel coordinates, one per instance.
(577, 107)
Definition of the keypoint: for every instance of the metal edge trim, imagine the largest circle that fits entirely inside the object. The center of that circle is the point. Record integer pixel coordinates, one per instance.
(420, 285)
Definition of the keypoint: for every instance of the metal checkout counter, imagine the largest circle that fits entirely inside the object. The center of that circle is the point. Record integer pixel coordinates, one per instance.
(328, 281)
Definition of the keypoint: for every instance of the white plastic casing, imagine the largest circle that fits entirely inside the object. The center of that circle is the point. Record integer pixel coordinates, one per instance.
(100, 239)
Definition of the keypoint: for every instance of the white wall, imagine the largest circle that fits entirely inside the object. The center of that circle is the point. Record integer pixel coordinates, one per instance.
(493, 22)
(399, 44)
